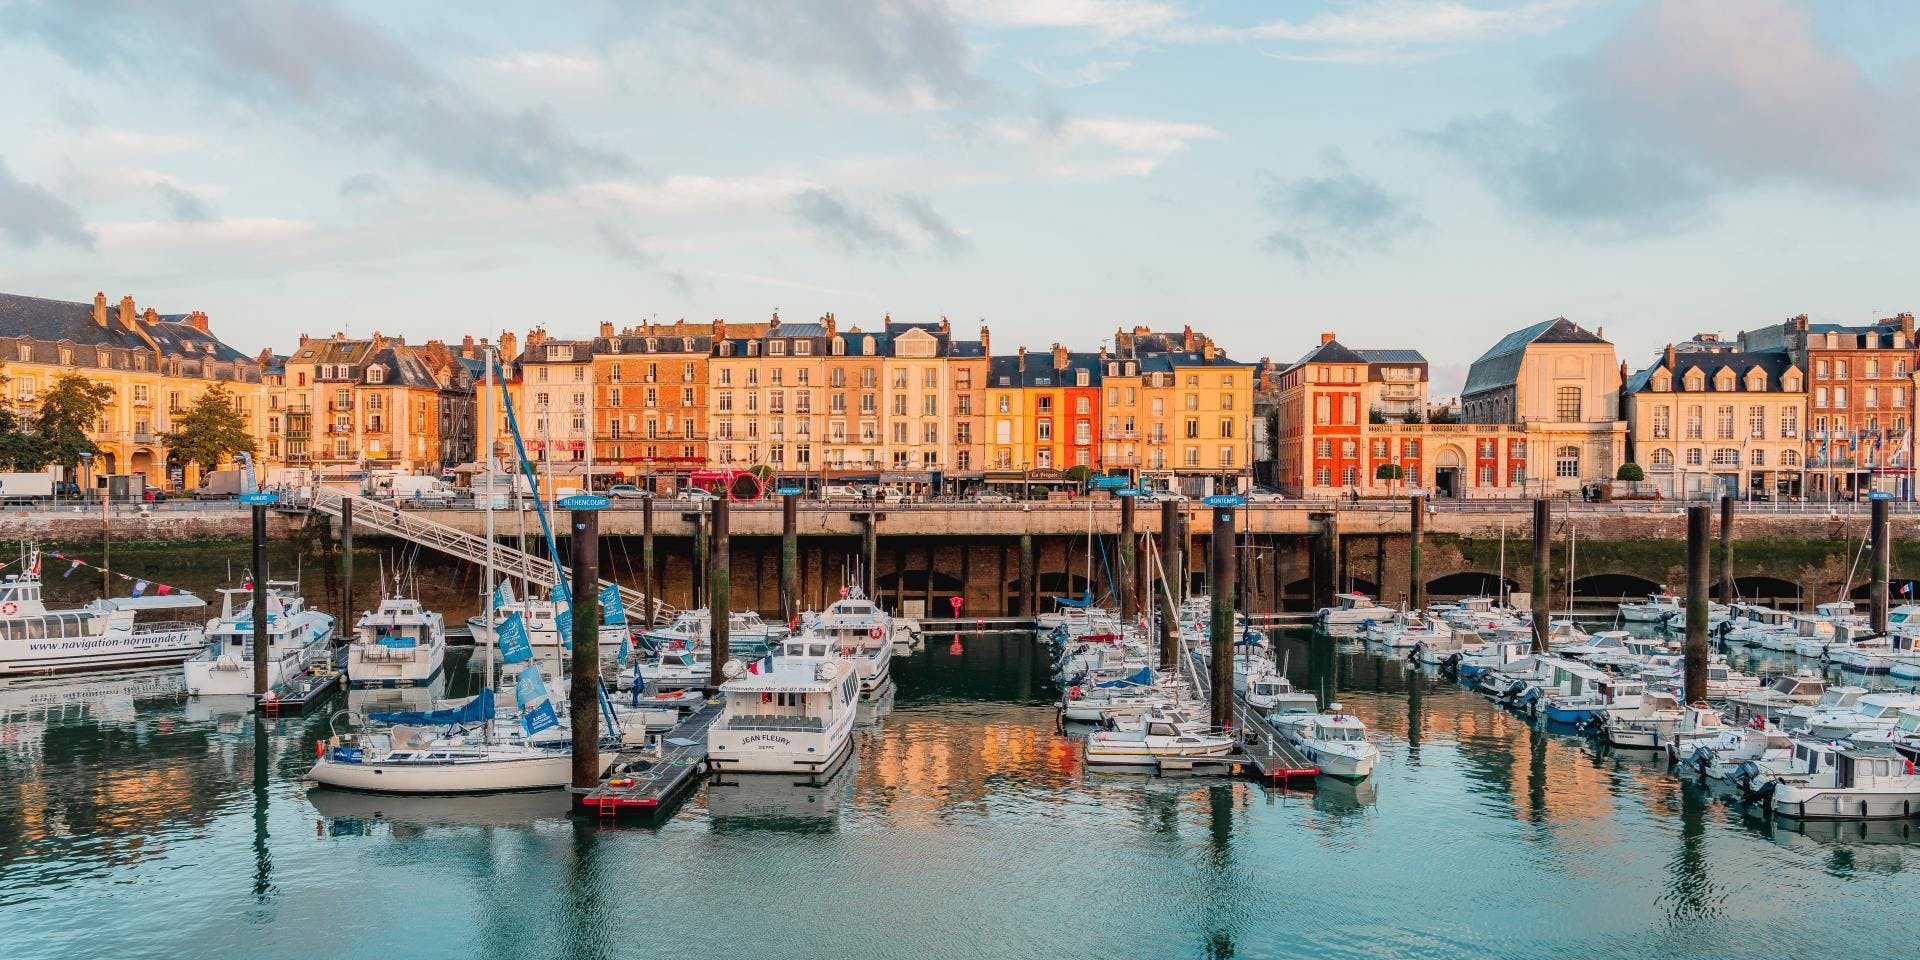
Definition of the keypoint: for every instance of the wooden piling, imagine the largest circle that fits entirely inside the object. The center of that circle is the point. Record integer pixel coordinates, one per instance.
(1029, 604)
(346, 566)
(583, 704)
(1416, 536)
(1323, 559)
(1542, 572)
(720, 590)
(1726, 548)
(789, 556)
(648, 598)
(1694, 653)
(1164, 591)
(1226, 583)
(1881, 565)
(260, 606)
(1123, 578)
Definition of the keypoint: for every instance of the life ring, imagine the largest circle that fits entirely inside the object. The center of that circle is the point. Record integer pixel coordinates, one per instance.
(794, 624)
(9, 608)
(876, 633)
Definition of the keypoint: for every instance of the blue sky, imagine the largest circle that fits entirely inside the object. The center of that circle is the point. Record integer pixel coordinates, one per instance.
(1424, 173)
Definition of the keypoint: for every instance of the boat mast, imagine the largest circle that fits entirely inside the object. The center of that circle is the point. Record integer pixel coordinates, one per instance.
(1500, 589)
(487, 586)
(1573, 543)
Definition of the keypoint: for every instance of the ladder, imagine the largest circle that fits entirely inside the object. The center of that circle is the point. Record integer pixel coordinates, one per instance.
(510, 563)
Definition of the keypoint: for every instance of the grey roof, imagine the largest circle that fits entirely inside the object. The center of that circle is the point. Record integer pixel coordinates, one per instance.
(1499, 366)
(175, 336)
(798, 330)
(1392, 356)
(1040, 371)
(1775, 362)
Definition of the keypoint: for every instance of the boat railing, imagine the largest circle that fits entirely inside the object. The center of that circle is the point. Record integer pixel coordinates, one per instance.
(166, 626)
(777, 724)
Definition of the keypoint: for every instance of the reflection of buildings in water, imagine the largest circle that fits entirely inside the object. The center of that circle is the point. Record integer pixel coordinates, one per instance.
(916, 766)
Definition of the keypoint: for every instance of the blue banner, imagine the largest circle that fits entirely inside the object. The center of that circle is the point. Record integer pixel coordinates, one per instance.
(563, 622)
(539, 718)
(502, 595)
(558, 593)
(398, 643)
(511, 635)
(612, 608)
(529, 687)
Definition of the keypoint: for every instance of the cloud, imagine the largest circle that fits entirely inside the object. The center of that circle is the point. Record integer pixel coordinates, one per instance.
(619, 243)
(29, 214)
(829, 214)
(919, 211)
(1388, 29)
(1110, 19)
(1686, 102)
(187, 206)
(171, 236)
(364, 185)
(1335, 215)
(1096, 147)
(313, 64)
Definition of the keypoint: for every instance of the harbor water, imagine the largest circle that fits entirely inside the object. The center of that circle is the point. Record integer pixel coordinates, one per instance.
(137, 822)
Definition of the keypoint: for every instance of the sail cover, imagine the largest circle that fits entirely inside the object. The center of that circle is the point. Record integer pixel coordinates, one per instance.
(1140, 678)
(475, 710)
(1086, 601)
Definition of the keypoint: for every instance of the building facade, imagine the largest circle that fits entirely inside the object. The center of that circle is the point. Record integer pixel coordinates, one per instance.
(1562, 384)
(343, 406)
(1859, 404)
(1707, 419)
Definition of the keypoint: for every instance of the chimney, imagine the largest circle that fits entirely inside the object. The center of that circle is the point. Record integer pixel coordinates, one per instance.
(1800, 323)
(1186, 338)
(466, 346)
(265, 359)
(303, 340)
(1906, 324)
(986, 342)
(1021, 363)
(378, 341)
(606, 328)
(1326, 338)
(150, 316)
(719, 330)
(1059, 357)
(833, 324)
(126, 313)
(946, 329)
(1669, 358)
(199, 320)
(100, 308)
(509, 345)
(1208, 350)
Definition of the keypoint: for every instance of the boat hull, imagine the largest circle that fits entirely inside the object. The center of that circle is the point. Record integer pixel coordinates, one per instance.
(547, 772)
(1816, 803)
(365, 673)
(99, 653)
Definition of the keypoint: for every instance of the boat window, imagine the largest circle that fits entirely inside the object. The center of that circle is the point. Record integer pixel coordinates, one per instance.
(1162, 730)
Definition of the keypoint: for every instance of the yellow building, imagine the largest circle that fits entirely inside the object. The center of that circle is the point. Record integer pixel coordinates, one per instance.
(1194, 414)
(1562, 383)
(157, 366)
(1707, 420)
(346, 406)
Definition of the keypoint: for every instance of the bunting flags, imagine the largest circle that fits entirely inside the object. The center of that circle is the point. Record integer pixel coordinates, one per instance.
(140, 587)
(511, 636)
(74, 565)
(536, 708)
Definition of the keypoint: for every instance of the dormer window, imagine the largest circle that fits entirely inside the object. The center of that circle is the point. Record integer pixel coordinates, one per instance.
(776, 348)
(839, 347)
(652, 344)
(866, 346)
(1723, 381)
(1694, 380)
(376, 374)
(1662, 382)
(1080, 378)
(559, 351)
(726, 348)
(803, 348)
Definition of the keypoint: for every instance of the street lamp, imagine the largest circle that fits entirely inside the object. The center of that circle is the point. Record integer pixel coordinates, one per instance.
(86, 472)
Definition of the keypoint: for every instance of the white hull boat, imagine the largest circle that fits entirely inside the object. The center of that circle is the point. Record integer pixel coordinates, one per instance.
(106, 634)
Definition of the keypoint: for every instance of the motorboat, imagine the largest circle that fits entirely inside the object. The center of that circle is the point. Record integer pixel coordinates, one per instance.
(1595, 698)
(1872, 711)
(692, 629)
(1270, 692)
(1862, 783)
(1650, 724)
(108, 633)
(1865, 655)
(1492, 655)
(1784, 693)
(1833, 700)
(1435, 652)
(1160, 736)
(789, 713)
(1720, 756)
(860, 632)
(1656, 608)
(678, 665)
(400, 644)
(297, 638)
(1407, 629)
(1903, 735)
(1335, 741)
(1352, 611)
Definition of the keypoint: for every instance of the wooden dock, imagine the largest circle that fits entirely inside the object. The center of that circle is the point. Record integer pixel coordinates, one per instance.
(643, 784)
(297, 695)
(1262, 747)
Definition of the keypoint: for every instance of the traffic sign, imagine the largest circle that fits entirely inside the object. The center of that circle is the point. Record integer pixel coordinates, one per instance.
(260, 499)
(1225, 500)
(584, 501)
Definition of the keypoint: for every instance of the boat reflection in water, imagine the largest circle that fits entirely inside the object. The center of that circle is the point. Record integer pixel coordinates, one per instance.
(874, 707)
(350, 813)
(772, 801)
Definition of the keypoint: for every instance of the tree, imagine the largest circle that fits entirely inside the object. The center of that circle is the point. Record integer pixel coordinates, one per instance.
(210, 432)
(1375, 416)
(1416, 415)
(1389, 472)
(1445, 415)
(1080, 474)
(70, 408)
(1630, 472)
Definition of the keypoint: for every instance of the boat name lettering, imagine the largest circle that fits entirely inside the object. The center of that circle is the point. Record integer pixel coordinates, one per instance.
(767, 737)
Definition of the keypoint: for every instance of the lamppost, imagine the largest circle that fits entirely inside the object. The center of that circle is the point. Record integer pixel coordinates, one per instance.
(86, 477)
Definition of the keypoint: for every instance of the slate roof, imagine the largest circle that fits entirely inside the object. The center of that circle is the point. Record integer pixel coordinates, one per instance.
(54, 321)
(1499, 366)
(1775, 362)
(1040, 371)
(1392, 356)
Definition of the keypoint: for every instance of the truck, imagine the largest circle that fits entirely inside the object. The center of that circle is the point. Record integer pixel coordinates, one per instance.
(26, 486)
(223, 484)
(413, 488)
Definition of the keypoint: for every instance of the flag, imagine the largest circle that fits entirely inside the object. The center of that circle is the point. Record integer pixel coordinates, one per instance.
(558, 593)
(511, 636)
(75, 566)
(539, 718)
(626, 646)
(164, 590)
(502, 595)
(1906, 588)
(139, 587)
(762, 665)
(529, 687)
(612, 609)
(36, 565)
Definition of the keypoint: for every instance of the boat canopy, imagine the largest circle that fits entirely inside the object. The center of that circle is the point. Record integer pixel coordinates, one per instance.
(477, 709)
(1139, 678)
(1086, 601)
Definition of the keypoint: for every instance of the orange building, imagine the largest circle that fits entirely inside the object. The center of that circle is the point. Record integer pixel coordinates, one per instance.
(650, 400)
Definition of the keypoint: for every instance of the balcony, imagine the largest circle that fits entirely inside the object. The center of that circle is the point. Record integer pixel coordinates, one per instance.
(143, 436)
(341, 405)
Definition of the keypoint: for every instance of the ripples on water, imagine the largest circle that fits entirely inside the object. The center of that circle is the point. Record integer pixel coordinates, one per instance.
(131, 822)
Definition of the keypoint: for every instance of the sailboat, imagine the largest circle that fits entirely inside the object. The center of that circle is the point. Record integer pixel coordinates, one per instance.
(457, 749)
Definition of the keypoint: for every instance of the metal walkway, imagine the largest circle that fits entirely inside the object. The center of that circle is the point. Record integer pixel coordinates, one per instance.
(679, 764)
(511, 563)
(1262, 746)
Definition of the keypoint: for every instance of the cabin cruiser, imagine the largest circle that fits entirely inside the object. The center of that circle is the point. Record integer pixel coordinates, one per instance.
(1723, 682)
(1407, 629)
(677, 666)
(1335, 741)
(106, 633)
(860, 631)
(400, 644)
(691, 629)
(1650, 724)
(1268, 690)
(1832, 701)
(1161, 735)
(456, 749)
(1595, 698)
(1439, 650)
(1873, 711)
(297, 638)
(1903, 735)
(1719, 757)
(791, 713)
(1492, 655)
(1352, 611)
(1864, 655)
(1759, 623)
(1861, 783)
(1655, 609)
(1784, 693)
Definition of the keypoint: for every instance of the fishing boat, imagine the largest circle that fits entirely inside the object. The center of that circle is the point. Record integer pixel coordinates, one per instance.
(1351, 611)
(1656, 608)
(107, 633)
(1862, 783)
(859, 631)
(297, 638)
(791, 713)
(1336, 741)
(400, 644)
(1161, 736)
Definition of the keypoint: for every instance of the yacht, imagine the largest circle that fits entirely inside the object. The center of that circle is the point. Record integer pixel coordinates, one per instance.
(1862, 783)
(107, 633)
(449, 751)
(540, 617)
(297, 638)
(1655, 609)
(1351, 611)
(792, 713)
(1160, 736)
(860, 632)
(401, 644)
(1335, 741)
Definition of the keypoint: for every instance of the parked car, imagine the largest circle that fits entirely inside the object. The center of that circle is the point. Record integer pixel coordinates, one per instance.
(697, 495)
(1265, 496)
(886, 495)
(627, 491)
(840, 492)
(1163, 496)
(991, 496)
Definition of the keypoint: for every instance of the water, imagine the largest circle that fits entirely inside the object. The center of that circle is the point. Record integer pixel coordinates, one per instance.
(136, 822)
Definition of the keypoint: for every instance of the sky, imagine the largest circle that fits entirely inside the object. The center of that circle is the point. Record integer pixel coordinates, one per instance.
(1405, 173)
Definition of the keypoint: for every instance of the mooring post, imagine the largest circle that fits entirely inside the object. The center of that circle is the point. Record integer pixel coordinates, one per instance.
(1124, 578)
(583, 706)
(702, 565)
(1226, 582)
(1693, 663)
(346, 567)
(1881, 565)
(1726, 548)
(789, 556)
(1029, 604)
(869, 553)
(1542, 572)
(1164, 591)
(1323, 559)
(1416, 536)
(720, 593)
(647, 599)
(260, 605)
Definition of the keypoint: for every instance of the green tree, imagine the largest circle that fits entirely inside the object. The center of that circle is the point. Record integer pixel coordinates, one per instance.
(1416, 415)
(210, 432)
(1375, 415)
(70, 408)
(1445, 415)
(1630, 472)
(1080, 474)
(1389, 472)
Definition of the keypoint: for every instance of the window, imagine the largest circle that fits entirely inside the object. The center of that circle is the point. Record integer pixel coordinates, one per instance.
(1759, 458)
(1193, 428)
(1043, 430)
(1695, 415)
(376, 375)
(1726, 457)
(1840, 397)
(1789, 458)
(1663, 459)
(1566, 403)
(1693, 456)
(1663, 422)
(1347, 475)
(1789, 422)
(1516, 474)
(1566, 461)
(1323, 477)
(1723, 422)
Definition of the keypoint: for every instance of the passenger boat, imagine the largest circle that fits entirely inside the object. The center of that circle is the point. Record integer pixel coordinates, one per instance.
(297, 638)
(401, 644)
(108, 633)
(1160, 736)
(791, 713)
(1861, 783)
(1655, 609)
(1336, 741)
(1351, 611)
(860, 632)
